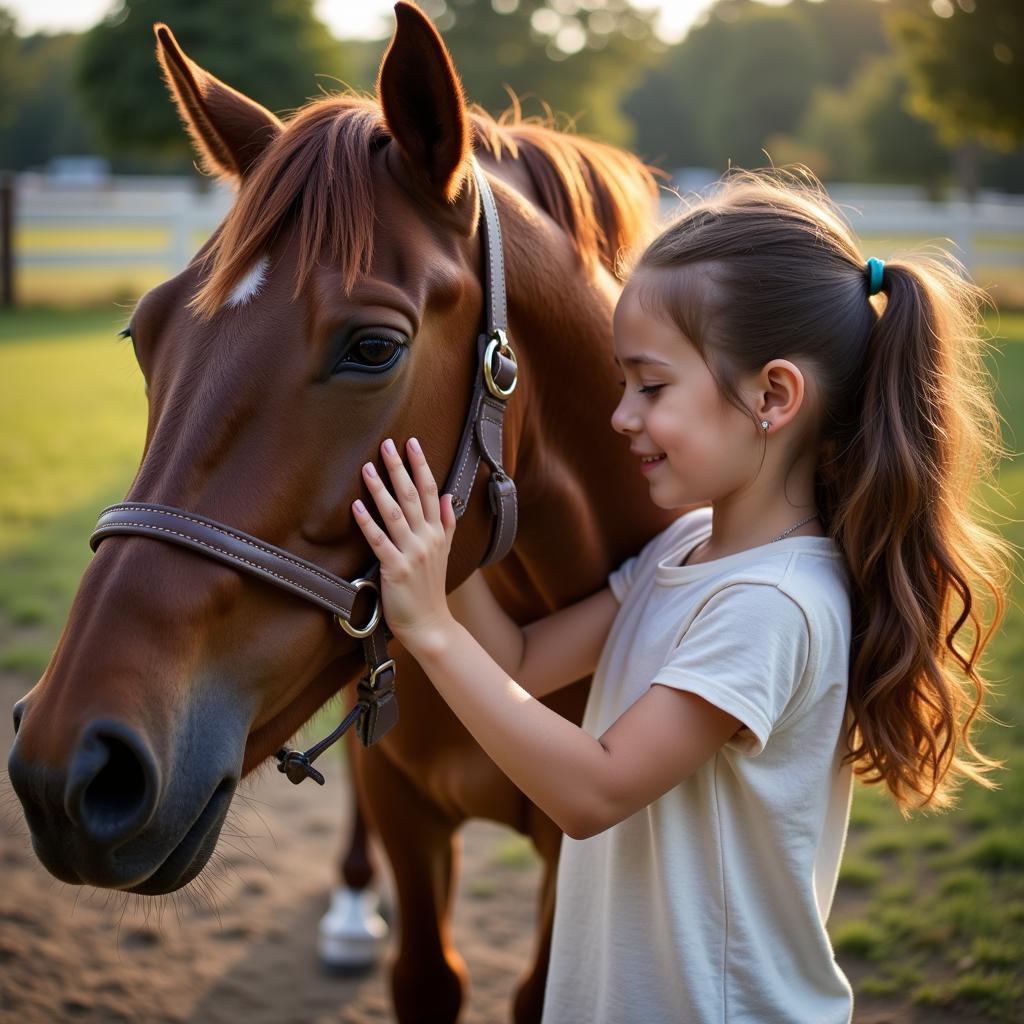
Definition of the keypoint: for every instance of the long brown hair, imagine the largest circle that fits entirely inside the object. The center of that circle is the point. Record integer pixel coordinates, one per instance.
(766, 268)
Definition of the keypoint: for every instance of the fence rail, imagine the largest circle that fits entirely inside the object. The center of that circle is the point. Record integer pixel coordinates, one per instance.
(152, 227)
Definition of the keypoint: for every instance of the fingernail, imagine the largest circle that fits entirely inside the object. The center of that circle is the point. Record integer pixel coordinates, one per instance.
(414, 445)
(389, 446)
(369, 470)
(359, 507)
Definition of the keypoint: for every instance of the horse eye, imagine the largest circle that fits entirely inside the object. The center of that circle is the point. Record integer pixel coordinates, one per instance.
(377, 351)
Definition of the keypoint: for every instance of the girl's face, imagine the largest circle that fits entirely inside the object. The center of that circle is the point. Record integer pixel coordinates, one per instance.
(690, 442)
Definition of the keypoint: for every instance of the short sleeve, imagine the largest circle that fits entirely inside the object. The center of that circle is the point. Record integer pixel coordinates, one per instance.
(621, 580)
(745, 652)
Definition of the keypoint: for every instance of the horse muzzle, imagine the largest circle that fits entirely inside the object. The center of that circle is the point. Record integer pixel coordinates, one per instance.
(113, 815)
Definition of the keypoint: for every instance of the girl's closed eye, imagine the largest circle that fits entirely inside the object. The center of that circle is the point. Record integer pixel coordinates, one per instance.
(644, 389)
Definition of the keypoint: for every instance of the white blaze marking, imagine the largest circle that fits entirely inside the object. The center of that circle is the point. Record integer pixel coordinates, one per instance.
(250, 284)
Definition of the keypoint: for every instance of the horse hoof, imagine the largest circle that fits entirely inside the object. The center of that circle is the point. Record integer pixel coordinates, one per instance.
(352, 933)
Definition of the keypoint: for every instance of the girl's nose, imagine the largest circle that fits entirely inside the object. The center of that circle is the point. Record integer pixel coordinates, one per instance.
(623, 421)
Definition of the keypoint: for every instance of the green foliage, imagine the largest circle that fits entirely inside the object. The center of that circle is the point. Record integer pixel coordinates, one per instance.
(270, 52)
(727, 87)
(864, 132)
(577, 58)
(743, 80)
(8, 71)
(966, 64)
(45, 118)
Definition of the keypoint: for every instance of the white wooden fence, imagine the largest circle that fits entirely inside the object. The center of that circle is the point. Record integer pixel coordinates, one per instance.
(987, 233)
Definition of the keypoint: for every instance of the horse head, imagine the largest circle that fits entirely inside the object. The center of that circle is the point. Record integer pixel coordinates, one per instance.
(338, 303)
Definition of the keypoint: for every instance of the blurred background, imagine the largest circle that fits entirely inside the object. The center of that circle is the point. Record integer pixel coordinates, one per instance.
(911, 112)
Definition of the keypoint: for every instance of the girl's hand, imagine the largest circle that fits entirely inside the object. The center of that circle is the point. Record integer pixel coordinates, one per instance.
(414, 559)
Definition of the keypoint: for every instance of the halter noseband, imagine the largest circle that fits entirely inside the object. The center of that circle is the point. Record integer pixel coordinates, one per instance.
(376, 709)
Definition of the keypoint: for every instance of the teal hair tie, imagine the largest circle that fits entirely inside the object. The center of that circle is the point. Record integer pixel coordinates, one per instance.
(875, 268)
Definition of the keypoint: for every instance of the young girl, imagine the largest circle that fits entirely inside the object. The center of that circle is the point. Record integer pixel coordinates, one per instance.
(833, 414)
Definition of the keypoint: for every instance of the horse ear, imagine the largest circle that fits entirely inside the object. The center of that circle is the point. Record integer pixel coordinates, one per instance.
(423, 102)
(229, 130)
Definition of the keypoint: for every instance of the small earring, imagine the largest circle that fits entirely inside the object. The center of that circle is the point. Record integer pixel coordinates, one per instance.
(765, 424)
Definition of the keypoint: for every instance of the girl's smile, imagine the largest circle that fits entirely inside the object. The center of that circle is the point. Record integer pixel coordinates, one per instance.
(649, 462)
(691, 444)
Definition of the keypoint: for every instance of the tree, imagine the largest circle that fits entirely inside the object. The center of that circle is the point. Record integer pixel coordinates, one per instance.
(47, 117)
(732, 83)
(8, 73)
(268, 51)
(966, 67)
(866, 133)
(578, 56)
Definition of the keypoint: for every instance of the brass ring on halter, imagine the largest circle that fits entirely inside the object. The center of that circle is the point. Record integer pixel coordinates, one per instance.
(359, 632)
(500, 343)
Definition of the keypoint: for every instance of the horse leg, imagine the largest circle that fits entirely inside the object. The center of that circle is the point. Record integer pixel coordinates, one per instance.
(528, 1003)
(352, 934)
(428, 976)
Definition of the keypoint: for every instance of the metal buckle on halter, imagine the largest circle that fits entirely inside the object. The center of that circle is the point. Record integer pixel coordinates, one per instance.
(371, 682)
(499, 343)
(359, 632)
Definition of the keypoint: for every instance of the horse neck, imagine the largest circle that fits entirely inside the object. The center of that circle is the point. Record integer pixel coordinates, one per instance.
(585, 504)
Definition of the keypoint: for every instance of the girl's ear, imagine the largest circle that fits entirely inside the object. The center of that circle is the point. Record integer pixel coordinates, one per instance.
(229, 130)
(781, 386)
(424, 105)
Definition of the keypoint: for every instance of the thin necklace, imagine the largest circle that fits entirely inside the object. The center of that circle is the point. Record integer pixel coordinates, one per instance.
(802, 522)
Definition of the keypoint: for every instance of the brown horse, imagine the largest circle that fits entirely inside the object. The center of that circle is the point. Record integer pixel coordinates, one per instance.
(339, 303)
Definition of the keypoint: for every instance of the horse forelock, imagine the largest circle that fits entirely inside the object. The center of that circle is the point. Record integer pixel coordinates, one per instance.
(317, 176)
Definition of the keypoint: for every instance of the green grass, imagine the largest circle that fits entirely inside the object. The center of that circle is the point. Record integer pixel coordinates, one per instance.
(72, 422)
(928, 911)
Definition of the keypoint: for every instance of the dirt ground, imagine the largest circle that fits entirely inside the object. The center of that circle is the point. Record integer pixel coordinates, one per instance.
(241, 947)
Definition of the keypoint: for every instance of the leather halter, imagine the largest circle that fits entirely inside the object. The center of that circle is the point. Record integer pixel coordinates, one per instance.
(496, 378)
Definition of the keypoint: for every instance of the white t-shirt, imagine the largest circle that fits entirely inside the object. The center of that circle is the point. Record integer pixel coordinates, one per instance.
(709, 905)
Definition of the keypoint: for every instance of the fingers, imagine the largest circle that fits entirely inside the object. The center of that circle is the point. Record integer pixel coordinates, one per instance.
(390, 510)
(378, 540)
(425, 483)
(406, 491)
(448, 517)
(417, 500)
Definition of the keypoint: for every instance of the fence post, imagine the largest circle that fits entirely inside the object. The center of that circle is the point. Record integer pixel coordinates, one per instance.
(7, 240)
(181, 230)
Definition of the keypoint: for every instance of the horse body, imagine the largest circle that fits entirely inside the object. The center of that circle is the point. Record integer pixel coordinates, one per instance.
(175, 675)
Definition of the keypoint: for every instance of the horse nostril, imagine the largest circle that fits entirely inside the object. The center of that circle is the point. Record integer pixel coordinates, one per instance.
(112, 784)
(19, 714)
(120, 785)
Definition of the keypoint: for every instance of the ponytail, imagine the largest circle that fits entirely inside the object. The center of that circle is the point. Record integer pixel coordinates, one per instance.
(899, 495)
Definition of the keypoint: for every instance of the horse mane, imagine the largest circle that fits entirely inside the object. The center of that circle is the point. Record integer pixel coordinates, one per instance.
(317, 172)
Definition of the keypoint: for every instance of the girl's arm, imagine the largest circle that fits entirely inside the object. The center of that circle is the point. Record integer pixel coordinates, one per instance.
(584, 784)
(547, 654)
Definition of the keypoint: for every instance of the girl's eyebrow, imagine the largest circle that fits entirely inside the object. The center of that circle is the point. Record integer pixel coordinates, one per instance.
(641, 360)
